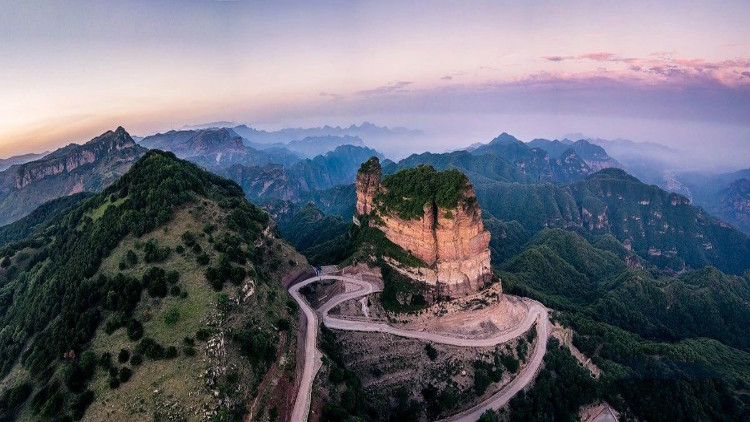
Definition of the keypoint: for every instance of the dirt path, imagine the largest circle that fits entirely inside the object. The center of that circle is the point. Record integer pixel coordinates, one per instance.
(312, 357)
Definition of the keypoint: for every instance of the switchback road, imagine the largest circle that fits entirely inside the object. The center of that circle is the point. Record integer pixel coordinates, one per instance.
(536, 313)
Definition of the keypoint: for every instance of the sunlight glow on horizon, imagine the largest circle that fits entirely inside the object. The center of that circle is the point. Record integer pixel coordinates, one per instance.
(70, 71)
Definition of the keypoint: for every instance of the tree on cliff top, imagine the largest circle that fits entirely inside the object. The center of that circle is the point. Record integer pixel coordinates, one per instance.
(409, 190)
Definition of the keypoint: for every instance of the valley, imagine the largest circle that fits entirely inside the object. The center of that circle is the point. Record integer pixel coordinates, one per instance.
(464, 286)
(388, 211)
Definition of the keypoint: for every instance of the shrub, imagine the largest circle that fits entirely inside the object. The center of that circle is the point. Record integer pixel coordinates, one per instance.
(155, 281)
(202, 334)
(202, 259)
(131, 257)
(123, 356)
(172, 316)
(431, 351)
(150, 348)
(135, 330)
(114, 322)
(114, 383)
(136, 359)
(125, 374)
(188, 238)
(80, 403)
(153, 253)
(283, 324)
(105, 360)
(171, 352)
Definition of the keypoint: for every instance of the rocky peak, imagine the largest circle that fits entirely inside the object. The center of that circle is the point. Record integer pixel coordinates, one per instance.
(109, 145)
(435, 216)
(368, 184)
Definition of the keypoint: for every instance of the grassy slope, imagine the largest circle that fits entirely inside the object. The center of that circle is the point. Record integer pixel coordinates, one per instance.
(251, 327)
(181, 382)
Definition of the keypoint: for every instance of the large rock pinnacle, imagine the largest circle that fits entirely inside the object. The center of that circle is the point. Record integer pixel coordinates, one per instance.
(449, 238)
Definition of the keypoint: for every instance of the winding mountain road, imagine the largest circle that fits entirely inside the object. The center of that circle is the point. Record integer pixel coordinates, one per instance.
(537, 312)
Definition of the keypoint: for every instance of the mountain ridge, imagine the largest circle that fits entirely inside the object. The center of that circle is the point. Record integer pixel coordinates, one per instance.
(74, 168)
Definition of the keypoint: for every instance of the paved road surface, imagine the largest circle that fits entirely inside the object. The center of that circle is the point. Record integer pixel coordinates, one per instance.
(313, 357)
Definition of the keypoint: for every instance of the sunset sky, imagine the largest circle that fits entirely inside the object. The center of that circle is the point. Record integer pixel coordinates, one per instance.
(677, 72)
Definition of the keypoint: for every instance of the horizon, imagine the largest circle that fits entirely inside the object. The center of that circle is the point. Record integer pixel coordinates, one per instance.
(675, 74)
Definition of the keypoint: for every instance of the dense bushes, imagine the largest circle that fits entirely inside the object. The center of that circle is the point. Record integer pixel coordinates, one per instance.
(224, 272)
(409, 190)
(157, 281)
(153, 253)
(260, 347)
(560, 389)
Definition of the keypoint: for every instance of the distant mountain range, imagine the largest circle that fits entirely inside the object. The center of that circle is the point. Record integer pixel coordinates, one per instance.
(517, 183)
(170, 270)
(312, 146)
(75, 168)
(594, 155)
(542, 183)
(366, 131)
(725, 195)
(216, 148)
(273, 181)
(504, 159)
(19, 159)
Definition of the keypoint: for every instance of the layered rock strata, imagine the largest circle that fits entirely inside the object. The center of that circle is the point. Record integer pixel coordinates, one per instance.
(452, 242)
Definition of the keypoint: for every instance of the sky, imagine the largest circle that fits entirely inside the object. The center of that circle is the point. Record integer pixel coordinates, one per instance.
(676, 72)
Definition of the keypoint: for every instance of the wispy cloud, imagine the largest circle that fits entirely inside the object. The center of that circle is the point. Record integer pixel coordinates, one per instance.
(329, 94)
(598, 57)
(557, 58)
(391, 88)
(663, 67)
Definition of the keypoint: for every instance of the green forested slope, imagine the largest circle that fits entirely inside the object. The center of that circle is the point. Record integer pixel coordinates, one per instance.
(134, 271)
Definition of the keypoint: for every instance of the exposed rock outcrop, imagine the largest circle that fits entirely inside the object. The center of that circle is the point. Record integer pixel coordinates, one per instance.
(368, 183)
(73, 156)
(450, 239)
(68, 170)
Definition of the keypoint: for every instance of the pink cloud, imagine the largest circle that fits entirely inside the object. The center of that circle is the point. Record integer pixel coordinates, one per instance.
(599, 57)
(663, 67)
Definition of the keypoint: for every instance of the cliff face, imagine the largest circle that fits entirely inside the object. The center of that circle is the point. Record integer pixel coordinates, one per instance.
(68, 170)
(367, 183)
(71, 157)
(451, 240)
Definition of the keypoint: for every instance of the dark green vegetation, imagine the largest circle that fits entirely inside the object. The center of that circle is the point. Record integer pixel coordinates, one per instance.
(352, 243)
(308, 227)
(660, 227)
(409, 191)
(40, 218)
(656, 290)
(658, 338)
(560, 389)
(54, 294)
(566, 271)
(351, 403)
(400, 293)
